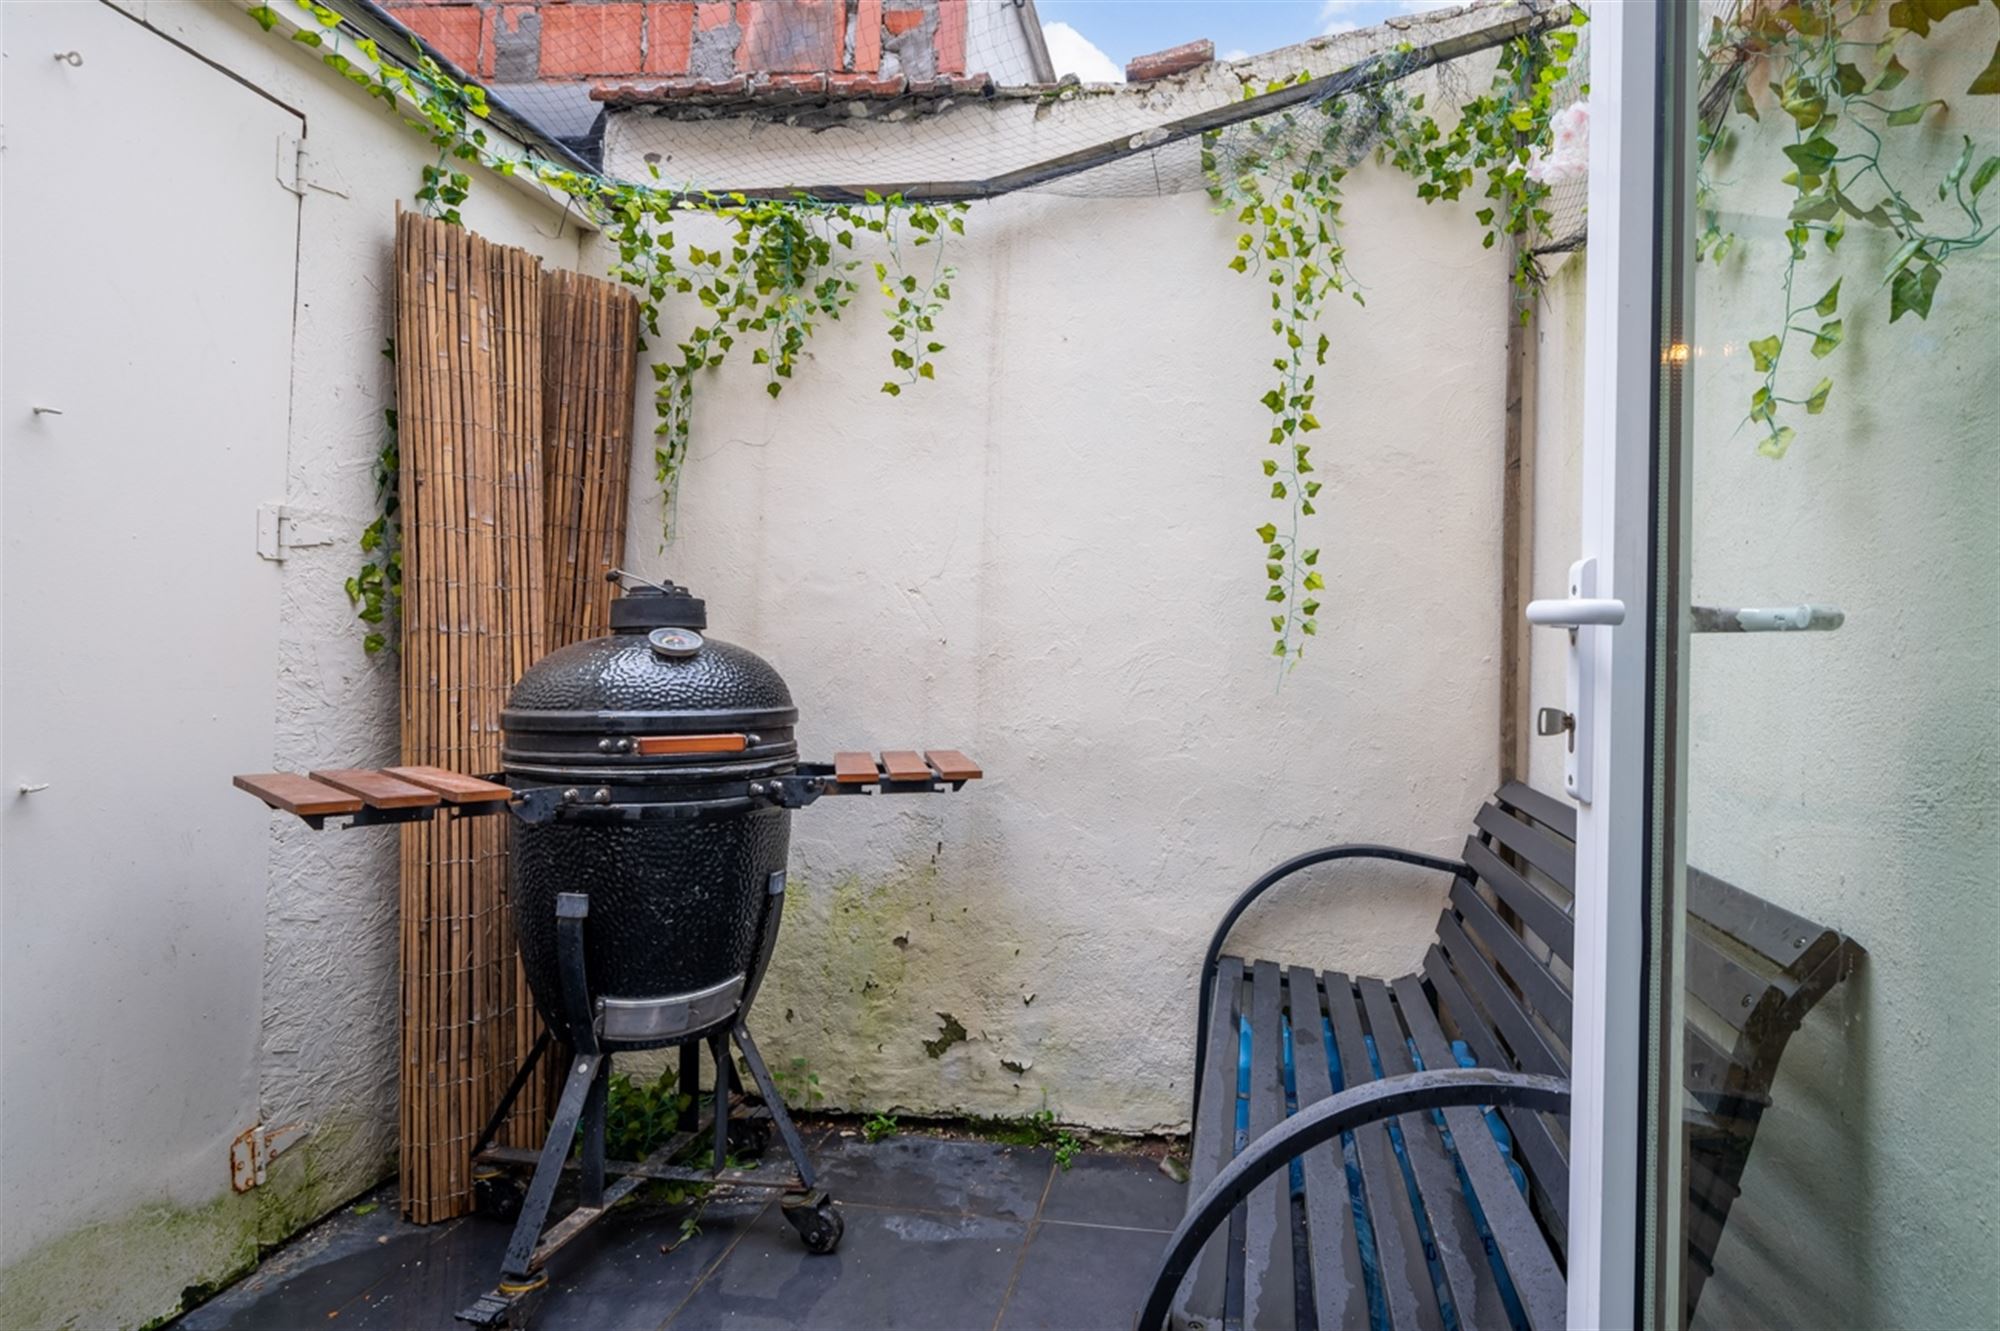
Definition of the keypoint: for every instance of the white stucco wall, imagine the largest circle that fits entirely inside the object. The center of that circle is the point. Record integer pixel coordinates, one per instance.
(145, 1211)
(1047, 558)
(1848, 776)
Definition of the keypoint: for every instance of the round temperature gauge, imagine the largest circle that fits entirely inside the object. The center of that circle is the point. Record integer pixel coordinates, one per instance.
(675, 644)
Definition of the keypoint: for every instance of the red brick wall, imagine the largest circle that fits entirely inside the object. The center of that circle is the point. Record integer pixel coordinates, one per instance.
(574, 40)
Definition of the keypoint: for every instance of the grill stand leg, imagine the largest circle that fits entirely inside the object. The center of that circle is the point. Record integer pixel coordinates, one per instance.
(581, 1111)
(581, 1106)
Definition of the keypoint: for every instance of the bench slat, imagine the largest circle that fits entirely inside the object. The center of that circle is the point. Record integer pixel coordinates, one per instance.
(297, 794)
(1461, 1254)
(1268, 1299)
(1340, 1295)
(1532, 1049)
(1532, 1267)
(1555, 858)
(1769, 929)
(1546, 994)
(1548, 1163)
(1549, 919)
(1730, 989)
(1542, 808)
(1201, 1295)
(378, 790)
(1399, 1252)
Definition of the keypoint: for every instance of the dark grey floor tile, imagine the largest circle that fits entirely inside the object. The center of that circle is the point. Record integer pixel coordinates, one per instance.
(615, 1277)
(612, 1277)
(308, 1279)
(929, 1174)
(893, 1270)
(429, 1284)
(1125, 1190)
(1082, 1278)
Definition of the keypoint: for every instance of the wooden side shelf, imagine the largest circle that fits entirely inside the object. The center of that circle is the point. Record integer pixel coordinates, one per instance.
(378, 789)
(455, 788)
(297, 794)
(952, 765)
(855, 769)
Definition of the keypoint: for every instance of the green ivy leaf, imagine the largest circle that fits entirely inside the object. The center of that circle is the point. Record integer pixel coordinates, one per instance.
(1983, 177)
(1267, 533)
(1275, 594)
(1779, 440)
(1314, 582)
(1910, 115)
(1830, 301)
(1987, 82)
(1816, 403)
(1814, 156)
(1764, 352)
(1826, 339)
(1912, 290)
(267, 18)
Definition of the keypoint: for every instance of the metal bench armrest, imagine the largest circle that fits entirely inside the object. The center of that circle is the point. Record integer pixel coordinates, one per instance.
(1412, 1092)
(1324, 855)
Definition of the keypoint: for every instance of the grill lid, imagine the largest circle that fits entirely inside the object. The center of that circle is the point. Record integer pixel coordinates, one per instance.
(584, 712)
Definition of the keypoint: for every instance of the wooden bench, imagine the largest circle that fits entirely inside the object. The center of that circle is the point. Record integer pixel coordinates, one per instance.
(1382, 1110)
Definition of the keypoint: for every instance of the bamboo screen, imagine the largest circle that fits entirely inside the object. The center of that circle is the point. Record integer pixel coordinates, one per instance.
(590, 353)
(495, 392)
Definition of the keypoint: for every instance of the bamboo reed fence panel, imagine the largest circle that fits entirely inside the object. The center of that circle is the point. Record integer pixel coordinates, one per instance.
(469, 415)
(590, 348)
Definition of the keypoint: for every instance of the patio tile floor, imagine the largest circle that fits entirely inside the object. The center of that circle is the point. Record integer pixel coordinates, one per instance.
(941, 1235)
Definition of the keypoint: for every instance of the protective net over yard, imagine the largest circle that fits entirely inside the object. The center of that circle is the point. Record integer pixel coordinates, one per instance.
(957, 99)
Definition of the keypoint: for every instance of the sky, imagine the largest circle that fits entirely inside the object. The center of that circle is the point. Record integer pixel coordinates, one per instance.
(1094, 38)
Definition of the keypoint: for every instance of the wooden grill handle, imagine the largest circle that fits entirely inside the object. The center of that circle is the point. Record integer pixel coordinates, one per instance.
(656, 746)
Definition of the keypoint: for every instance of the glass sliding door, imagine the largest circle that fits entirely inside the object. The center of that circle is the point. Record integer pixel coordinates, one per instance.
(1819, 1114)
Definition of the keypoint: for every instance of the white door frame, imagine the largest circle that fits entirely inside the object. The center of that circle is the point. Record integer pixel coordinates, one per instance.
(1609, 1060)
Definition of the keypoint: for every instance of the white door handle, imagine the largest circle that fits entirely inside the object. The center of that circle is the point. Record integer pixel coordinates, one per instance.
(1581, 609)
(1574, 612)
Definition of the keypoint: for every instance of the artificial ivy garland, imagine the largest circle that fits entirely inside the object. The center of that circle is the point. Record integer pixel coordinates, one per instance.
(1280, 179)
(1844, 98)
(786, 265)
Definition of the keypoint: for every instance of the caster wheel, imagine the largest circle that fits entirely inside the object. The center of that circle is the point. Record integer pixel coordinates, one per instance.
(818, 1223)
(496, 1195)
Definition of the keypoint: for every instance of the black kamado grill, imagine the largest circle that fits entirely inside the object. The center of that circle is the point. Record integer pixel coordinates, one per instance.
(652, 775)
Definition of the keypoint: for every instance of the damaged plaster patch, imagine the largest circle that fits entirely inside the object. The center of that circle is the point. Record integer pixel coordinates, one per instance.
(912, 49)
(949, 1034)
(713, 55)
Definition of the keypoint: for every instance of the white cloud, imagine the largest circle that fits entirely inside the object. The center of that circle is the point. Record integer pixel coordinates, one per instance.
(1073, 53)
(1238, 54)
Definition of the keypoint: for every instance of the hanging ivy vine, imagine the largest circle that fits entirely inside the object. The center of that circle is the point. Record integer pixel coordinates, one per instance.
(784, 267)
(1846, 101)
(1279, 178)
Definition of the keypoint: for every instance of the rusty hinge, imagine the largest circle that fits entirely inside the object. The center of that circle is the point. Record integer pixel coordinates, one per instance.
(250, 1155)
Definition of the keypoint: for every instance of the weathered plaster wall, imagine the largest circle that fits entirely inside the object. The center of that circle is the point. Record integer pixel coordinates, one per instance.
(326, 1053)
(1047, 558)
(1852, 776)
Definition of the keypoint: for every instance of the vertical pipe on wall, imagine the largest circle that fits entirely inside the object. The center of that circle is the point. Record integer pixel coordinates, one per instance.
(1517, 545)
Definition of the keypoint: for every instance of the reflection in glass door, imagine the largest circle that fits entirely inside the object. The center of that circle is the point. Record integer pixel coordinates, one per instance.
(1827, 732)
